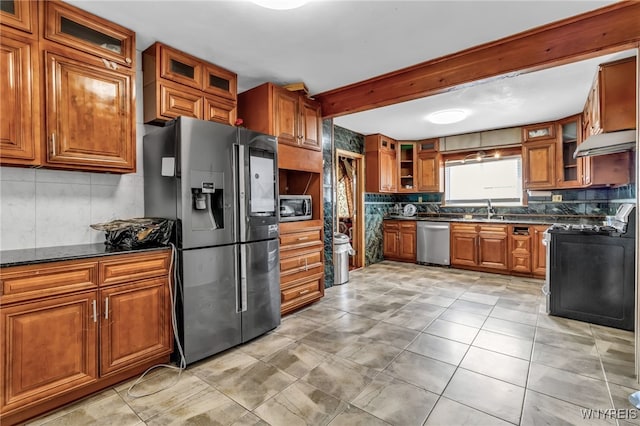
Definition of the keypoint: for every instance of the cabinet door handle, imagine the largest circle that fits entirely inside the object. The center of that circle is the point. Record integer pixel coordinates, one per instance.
(106, 308)
(95, 311)
(306, 266)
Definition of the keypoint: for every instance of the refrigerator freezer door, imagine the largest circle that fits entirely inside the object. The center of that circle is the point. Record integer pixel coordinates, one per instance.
(207, 183)
(211, 320)
(262, 312)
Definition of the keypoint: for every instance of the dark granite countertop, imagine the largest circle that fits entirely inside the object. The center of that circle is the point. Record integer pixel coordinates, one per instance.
(53, 254)
(507, 220)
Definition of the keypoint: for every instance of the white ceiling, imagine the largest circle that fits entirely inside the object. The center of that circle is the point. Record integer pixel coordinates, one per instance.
(330, 44)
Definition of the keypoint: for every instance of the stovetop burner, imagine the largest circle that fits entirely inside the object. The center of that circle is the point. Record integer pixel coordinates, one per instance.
(583, 228)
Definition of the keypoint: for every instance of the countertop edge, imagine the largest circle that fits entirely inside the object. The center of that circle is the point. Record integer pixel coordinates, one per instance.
(22, 257)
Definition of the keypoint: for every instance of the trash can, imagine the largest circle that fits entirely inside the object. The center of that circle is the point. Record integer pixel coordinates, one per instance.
(341, 252)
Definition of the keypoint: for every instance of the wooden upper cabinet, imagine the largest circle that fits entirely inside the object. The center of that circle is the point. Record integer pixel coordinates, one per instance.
(381, 164)
(290, 116)
(310, 124)
(178, 84)
(407, 166)
(20, 15)
(220, 82)
(429, 167)
(19, 103)
(180, 67)
(89, 33)
(285, 112)
(570, 172)
(539, 164)
(89, 120)
(617, 99)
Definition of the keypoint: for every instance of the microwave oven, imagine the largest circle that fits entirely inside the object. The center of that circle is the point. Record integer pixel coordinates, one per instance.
(295, 207)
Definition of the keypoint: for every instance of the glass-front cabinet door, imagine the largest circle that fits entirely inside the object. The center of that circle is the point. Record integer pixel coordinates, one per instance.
(19, 14)
(570, 169)
(89, 33)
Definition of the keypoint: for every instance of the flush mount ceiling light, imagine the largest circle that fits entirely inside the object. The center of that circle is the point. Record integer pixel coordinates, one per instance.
(280, 4)
(447, 116)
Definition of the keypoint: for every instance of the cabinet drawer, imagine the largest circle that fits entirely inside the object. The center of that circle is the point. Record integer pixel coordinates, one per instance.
(301, 290)
(290, 278)
(220, 110)
(390, 225)
(300, 262)
(493, 229)
(176, 101)
(134, 267)
(34, 281)
(408, 225)
(300, 238)
(463, 227)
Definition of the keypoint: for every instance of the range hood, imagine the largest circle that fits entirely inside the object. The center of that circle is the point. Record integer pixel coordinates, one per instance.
(607, 143)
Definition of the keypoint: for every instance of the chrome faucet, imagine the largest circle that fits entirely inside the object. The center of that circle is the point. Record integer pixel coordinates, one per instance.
(490, 210)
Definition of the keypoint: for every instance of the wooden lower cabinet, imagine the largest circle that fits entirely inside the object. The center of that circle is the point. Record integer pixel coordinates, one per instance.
(399, 240)
(539, 251)
(480, 246)
(301, 264)
(60, 344)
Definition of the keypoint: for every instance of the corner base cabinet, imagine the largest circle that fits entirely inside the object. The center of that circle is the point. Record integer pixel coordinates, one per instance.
(71, 328)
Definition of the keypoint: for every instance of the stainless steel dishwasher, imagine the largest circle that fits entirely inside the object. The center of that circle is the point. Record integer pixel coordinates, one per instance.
(433, 242)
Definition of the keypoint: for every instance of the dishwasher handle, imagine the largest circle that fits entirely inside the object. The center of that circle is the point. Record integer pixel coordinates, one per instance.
(443, 227)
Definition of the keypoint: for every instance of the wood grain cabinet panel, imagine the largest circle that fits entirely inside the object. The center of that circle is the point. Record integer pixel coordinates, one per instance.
(301, 264)
(399, 240)
(23, 283)
(49, 348)
(429, 171)
(83, 31)
(19, 103)
(20, 15)
(539, 168)
(89, 116)
(539, 252)
(291, 116)
(381, 163)
(122, 269)
(135, 324)
(71, 328)
(176, 84)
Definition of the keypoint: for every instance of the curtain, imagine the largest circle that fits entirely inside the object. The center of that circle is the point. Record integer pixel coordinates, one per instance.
(346, 178)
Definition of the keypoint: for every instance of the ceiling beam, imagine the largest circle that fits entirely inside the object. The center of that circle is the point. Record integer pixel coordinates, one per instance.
(612, 27)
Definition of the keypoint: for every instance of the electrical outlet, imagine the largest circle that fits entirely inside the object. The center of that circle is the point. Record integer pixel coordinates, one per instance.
(556, 198)
(420, 198)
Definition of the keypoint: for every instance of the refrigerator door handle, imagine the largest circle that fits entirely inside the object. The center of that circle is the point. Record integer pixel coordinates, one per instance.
(241, 194)
(243, 278)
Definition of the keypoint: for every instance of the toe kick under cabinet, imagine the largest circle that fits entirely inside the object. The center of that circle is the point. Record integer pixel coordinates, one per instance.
(71, 328)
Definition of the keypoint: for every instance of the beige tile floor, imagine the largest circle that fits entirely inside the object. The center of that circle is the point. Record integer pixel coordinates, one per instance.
(399, 344)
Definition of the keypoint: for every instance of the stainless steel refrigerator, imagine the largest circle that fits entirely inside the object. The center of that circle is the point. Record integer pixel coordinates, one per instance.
(220, 185)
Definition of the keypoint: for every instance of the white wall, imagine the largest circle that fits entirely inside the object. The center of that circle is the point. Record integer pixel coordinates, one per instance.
(44, 208)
